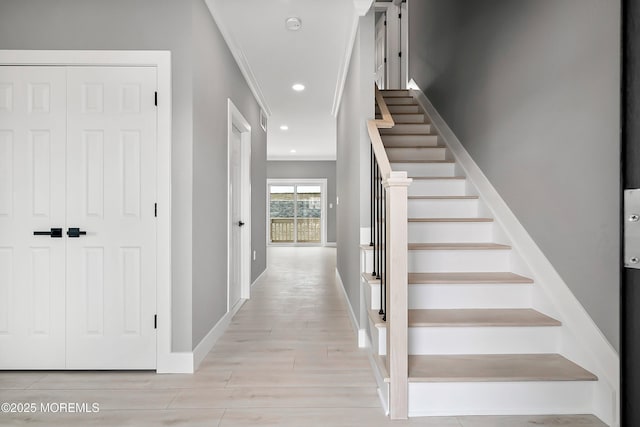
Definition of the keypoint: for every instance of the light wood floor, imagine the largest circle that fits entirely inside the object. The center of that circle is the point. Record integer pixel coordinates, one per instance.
(289, 358)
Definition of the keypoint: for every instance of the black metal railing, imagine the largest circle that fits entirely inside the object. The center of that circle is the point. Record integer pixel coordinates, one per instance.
(378, 232)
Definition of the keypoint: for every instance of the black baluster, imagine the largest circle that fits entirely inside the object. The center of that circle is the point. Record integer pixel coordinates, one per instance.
(384, 247)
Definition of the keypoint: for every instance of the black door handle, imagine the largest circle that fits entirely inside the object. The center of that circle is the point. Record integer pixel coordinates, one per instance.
(54, 233)
(240, 223)
(75, 232)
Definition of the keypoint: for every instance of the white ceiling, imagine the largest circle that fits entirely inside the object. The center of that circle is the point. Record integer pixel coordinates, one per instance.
(274, 58)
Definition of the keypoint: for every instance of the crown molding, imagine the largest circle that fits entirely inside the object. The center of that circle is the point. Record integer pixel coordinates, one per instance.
(239, 56)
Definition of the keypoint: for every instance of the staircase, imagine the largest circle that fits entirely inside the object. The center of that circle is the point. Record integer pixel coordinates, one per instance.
(476, 346)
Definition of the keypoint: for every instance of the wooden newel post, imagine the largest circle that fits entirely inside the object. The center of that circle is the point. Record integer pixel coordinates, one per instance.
(397, 293)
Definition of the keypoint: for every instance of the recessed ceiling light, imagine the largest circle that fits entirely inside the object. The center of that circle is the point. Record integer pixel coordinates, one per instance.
(284, 127)
(292, 151)
(293, 23)
(298, 87)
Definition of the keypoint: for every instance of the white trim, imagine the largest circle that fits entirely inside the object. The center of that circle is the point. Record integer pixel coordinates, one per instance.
(323, 213)
(404, 45)
(393, 71)
(362, 6)
(255, 282)
(361, 334)
(239, 56)
(166, 360)
(235, 118)
(588, 345)
(331, 244)
(344, 67)
(207, 343)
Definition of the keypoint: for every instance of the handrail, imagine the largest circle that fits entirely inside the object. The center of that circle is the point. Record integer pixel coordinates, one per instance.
(387, 120)
(376, 141)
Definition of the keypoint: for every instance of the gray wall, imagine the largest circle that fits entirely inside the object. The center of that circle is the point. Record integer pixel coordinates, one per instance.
(216, 78)
(531, 88)
(352, 164)
(163, 25)
(277, 169)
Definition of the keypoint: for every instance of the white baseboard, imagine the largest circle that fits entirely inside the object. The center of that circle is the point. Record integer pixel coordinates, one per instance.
(175, 363)
(590, 348)
(259, 277)
(365, 235)
(331, 244)
(361, 334)
(207, 343)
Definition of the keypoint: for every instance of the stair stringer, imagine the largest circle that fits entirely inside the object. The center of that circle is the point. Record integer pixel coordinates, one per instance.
(581, 339)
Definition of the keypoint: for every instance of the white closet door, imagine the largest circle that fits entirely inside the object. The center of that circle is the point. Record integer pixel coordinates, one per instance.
(111, 192)
(32, 198)
(235, 187)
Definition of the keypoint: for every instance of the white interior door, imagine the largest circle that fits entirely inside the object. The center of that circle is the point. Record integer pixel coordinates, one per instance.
(235, 163)
(111, 194)
(381, 52)
(32, 198)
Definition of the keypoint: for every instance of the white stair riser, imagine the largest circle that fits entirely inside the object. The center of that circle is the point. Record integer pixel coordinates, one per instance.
(425, 169)
(437, 187)
(411, 140)
(366, 260)
(460, 296)
(465, 296)
(428, 153)
(501, 398)
(378, 339)
(450, 232)
(399, 101)
(443, 208)
(391, 93)
(421, 261)
(413, 128)
(402, 109)
(409, 118)
(483, 340)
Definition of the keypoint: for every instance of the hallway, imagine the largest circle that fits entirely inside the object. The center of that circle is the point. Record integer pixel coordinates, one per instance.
(289, 358)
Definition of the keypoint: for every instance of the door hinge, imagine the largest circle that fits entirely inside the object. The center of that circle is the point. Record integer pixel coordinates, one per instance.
(385, 22)
(385, 60)
(156, 99)
(400, 54)
(155, 210)
(155, 321)
(399, 16)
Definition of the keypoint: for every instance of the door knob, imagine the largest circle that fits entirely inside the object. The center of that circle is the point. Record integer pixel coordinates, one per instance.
(54, 233)
(240, 223)
(75, 232)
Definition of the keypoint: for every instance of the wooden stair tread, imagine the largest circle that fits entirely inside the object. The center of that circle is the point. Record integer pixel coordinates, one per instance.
(495, 368)
(424, 161)
(391, 102)
(467, 278)
(408, 134)
(416, 161)
(426, 178)
(476, 317)
(457, 246)
(376, 318)
(401, 126)
(443, 197)
(412, 147)
(450, 219)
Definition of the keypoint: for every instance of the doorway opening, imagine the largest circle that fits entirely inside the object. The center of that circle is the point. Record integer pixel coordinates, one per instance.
(391, 45)
(297, 212)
